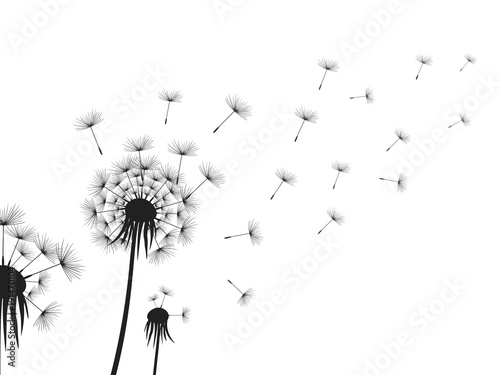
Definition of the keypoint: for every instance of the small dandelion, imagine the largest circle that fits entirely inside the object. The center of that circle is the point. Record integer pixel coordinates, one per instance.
(245, 297)
(254, 233)
(88, 121)
(186, 148)
(328, 66)
(285, 177)
(305, 115)
(335, 216)
(211, 174)
(368, 96)
(402, 136)
(172, 96)
(237, 106)
(423, 60)
(340, 168)
(470, 59)
(401, 182)
(464, 119)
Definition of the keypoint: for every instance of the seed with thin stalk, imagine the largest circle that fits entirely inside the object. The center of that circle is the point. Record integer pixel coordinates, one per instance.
(186, 148)
(285, 177)
(464, 119)
(245, 297)
(423, 60)
(335, 216)
(328, 66)
(305, 115)
(237, 106)
(157, 324)
(401, 181)
(402, 136)
(340, 167)
(88, 121)
(253, 232)
(211, 174)
(470, 59)
(368, 96)
(172, 96)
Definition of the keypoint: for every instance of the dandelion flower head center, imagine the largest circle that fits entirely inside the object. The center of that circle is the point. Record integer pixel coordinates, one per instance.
(140, 210)
(12, 283)
(158, 315)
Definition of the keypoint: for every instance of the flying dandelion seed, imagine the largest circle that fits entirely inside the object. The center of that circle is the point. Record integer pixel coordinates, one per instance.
(340, 168)
(423, 60)
(245, 297)
(335, 216)
(402, 136)
(211, 174)
(88, 121)
(136, 205)
(464, 119)
(237, 106)
(186, 148)
(401, 182)
(172, 96)
(470, 59)
(328, 66)
(285, 177)
(368, 96)
(305, 115)
(157, 325)
(253, 232)
(25, 272)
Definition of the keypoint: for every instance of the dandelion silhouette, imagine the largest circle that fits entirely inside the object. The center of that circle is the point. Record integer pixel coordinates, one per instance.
(88, 121)
(335, 216)
(173, 96)
(237, 106)
(136, 205)
(21, 282)
(470, 59)
(340, 168)
(464, 119)
(328, 66)
(368, 96)
(157, 325)
(423, 60)
(245, 297)
(186, 148)
(401, 182)
(305, 115)
(284, 176)
(211, 174)
(254, 233)
(402, 136)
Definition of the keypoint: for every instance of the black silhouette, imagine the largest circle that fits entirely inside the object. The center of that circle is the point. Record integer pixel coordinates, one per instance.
(139, 201)
(286, 177)
(237, 106)
(340, 168)
(464, 119)
(186, 148)
(305, 115)
(423, 60)
(328, 65)
(88, 121)
(470, 59)
(20, 284)
(368, 96)
(245, 297)
(335, 216)
(401, 182)
(211, 174)
(157, 324)
(173, 96)
(402, 136)
(254, 233)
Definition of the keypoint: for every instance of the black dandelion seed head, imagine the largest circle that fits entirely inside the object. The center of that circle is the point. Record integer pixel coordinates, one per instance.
(166, 291)
(69, 262)
(306, 114)
(186, 315)
(11, 216)
(212, 174)
(183, 148)
(153, 298)
(331, 65)
(336, 216)
(424, 59)
(286, 176)
(138, 144)
(254, 232)
(48, 316)
(22, 233)
(170, 95)
(238, 106)
(369, 95)
(402, 182)
(246, 297)
(465, 118)
(470, 58)
(402, 135)
(341, 167)
(88, 120)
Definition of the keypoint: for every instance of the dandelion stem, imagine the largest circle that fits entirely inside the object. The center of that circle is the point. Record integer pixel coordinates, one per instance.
(464, 65)
(356, 97)
(26, 266)
(325, 226)
(46, 269)
(458, 122)
(30, 301)
(335, 183)
(235, 287)
(217, 128)
(421, 65)
(324, 75)
(166, 117)
(19, 257)
(297, 136)
(178, 172)
(126, 307)
(13, 251)
(156, 351)
(236, 235)
(277, 189)
(3, 242)
(166, 222)
(392, 145)
(386, 179)
(97, 143)
(206, 179)
(131, 184)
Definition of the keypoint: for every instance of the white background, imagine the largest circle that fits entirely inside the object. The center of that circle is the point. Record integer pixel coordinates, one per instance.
(395, 251)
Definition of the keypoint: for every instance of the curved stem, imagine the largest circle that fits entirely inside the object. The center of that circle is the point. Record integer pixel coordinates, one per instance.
(125, 313)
